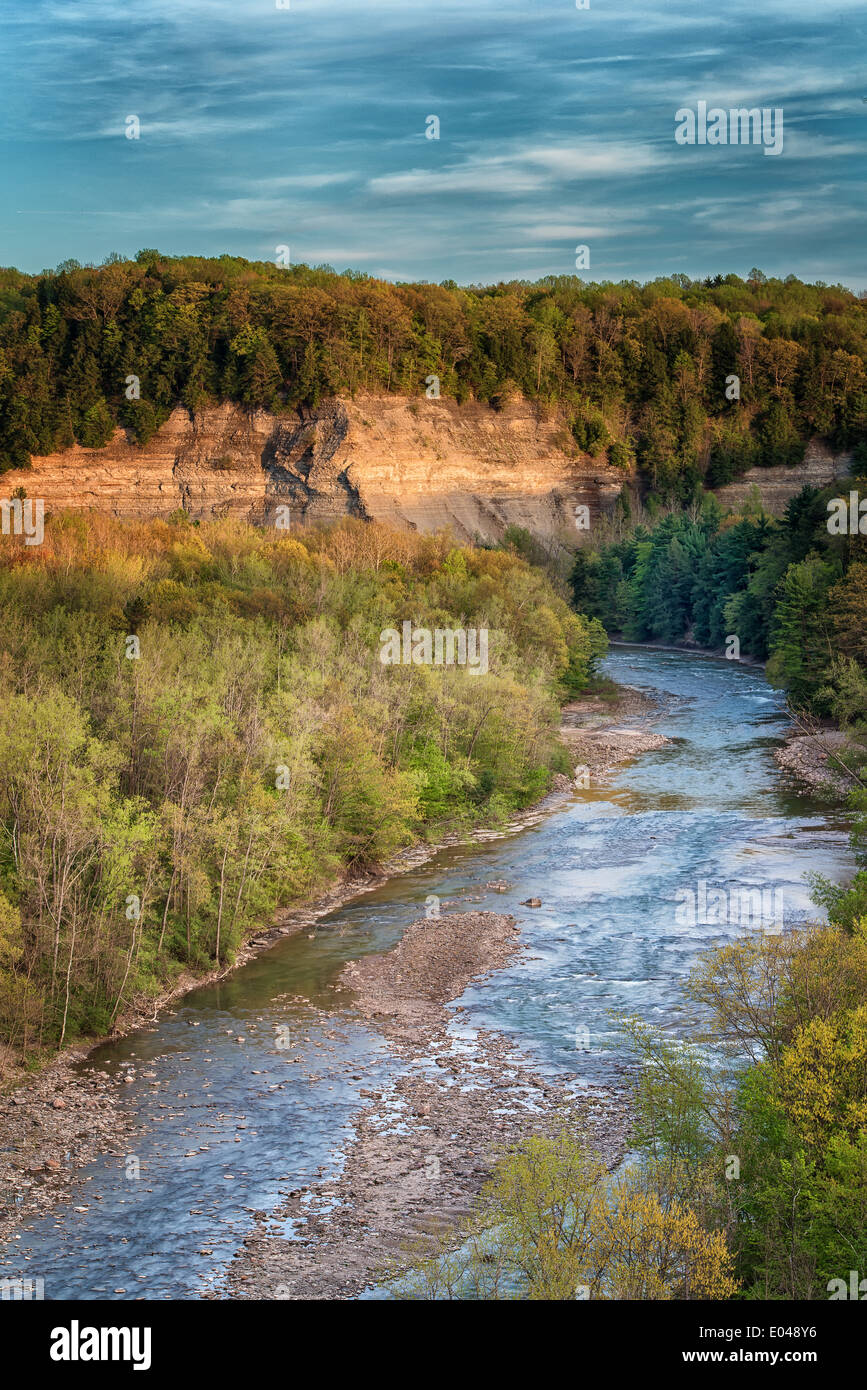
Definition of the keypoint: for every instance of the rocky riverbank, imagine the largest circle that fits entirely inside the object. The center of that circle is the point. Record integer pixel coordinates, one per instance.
(817, 759)
(604, 729)
(41, 1151)
(50, 1129)
(43, 1146)
(425, 1144)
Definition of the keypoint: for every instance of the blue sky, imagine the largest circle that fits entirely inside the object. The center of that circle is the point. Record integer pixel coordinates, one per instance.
(305, 127)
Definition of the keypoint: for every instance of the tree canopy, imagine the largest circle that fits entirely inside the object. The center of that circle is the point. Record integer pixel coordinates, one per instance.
(641, 373)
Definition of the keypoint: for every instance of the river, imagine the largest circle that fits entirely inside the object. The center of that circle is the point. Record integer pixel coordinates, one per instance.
(222, 1127)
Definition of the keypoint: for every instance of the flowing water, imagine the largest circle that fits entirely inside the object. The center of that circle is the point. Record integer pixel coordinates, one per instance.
(222, 1126)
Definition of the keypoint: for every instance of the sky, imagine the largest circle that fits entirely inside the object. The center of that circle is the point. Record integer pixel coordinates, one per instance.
(306, 126)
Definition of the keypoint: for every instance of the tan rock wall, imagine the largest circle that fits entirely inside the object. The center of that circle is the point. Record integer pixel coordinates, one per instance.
(425, 464)
(420, 463)
(778, 485)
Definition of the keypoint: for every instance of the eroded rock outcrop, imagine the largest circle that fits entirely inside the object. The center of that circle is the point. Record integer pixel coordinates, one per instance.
(776, 486)
(420, 463)
(426, 464)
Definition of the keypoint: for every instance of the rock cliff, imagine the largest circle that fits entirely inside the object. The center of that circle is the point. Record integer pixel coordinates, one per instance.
(777, 485)
(420, 463)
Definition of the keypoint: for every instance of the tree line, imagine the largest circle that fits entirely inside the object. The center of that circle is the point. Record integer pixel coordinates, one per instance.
(791, 592)
(642, 375)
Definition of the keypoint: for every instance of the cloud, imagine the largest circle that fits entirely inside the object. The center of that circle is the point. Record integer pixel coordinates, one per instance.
(306, 126)
(188, 127)
(801, 143)
(600, 158)
(528, 170)
(565, 231)
(481, 175)
(306, 180)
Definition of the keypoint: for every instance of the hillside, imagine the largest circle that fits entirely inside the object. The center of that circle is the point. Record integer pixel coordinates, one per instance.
(416, 402)
(416, 463)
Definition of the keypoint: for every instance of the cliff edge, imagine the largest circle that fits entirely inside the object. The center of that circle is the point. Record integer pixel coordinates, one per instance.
(422, 463)
(425, 464)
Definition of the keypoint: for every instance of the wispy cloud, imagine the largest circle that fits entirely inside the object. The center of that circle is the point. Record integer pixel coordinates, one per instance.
(529, 170)
(307, 126)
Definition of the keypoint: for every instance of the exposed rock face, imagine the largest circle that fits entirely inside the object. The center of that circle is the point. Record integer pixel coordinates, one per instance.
(778, 485)
(426, 464)
(421, 463)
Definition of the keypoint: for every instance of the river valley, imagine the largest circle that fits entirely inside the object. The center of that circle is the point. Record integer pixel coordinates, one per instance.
(249, 1089)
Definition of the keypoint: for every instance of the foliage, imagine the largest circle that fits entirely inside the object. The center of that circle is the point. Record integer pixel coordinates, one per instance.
(748, 1176)
(638, 370)
(157, 803)
(552, 1225)
(792, 593)
(784, 1173)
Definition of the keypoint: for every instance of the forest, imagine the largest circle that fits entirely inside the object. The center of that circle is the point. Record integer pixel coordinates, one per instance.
(791, 591)
(196, 729)
(643, 376)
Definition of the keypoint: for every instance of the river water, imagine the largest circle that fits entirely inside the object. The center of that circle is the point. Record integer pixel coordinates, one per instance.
(222, 1127)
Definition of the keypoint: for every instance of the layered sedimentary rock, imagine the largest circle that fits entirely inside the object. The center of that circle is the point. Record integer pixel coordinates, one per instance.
(420, 463)
(776, 486)
(426, 464)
